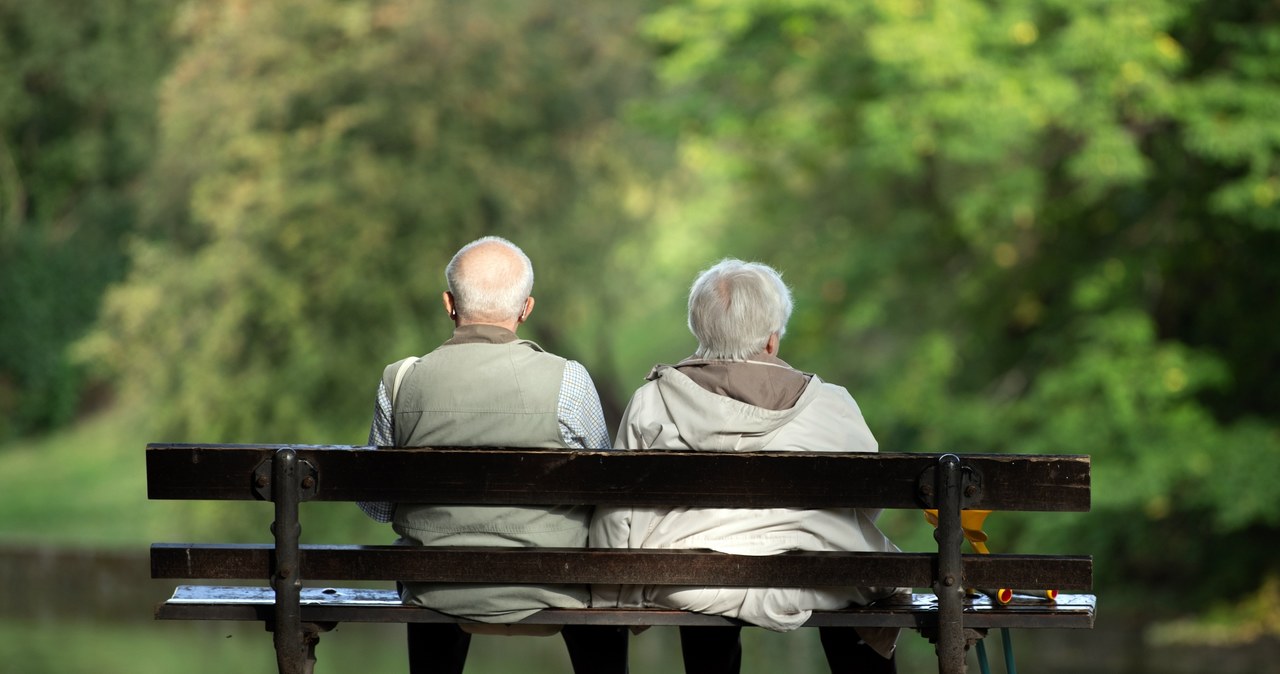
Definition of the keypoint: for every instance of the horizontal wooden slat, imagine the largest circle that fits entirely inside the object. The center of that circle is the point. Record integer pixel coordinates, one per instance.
(643, 567)
(636, 478)
(336, 605)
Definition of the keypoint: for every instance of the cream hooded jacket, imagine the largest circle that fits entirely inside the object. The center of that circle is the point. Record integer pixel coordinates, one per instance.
(672, 411)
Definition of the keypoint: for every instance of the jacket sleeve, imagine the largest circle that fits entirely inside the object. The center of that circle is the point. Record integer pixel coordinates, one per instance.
(610, 528)
(854, 434)
(629, 434)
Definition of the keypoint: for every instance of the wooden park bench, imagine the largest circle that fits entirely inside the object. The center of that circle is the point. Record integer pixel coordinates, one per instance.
(290, 475)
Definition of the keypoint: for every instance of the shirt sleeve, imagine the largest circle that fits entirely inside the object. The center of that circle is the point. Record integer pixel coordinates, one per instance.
(380, 435)
(581, 417)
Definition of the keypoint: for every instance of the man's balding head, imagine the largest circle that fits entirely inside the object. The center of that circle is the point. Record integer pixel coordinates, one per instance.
(490, 280)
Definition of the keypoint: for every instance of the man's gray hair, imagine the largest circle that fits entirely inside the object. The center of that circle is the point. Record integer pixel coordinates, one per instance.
(733, 308)
(488, 294)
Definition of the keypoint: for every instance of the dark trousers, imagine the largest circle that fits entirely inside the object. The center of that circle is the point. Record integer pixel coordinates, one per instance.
(441, 648)
(718, 650)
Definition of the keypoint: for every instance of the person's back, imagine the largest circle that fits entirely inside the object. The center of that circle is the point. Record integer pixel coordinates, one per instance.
(486, 387)
(735, 394)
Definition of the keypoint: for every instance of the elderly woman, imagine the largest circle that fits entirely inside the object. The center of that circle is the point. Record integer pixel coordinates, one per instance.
(735, 394)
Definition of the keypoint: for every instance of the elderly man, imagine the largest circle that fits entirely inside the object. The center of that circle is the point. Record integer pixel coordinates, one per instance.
(487, 387)
(735, 394)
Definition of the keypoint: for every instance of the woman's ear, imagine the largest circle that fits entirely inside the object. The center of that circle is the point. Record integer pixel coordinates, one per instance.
(771, 345)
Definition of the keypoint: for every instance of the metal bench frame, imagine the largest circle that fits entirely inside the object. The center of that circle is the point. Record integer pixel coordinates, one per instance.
(289, 475)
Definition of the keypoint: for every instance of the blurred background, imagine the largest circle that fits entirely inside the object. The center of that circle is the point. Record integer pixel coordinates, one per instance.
(1010, 226)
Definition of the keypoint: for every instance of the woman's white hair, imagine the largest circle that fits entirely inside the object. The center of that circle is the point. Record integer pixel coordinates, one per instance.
(735, 306)
(490, 291)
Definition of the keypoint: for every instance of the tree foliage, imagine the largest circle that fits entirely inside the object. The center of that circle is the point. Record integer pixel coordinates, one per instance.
(320, 163)
(76, 130)
(1024, 225)
(1046, 226)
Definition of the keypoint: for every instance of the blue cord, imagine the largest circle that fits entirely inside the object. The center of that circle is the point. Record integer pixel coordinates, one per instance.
(1009, 666)
(982, 657)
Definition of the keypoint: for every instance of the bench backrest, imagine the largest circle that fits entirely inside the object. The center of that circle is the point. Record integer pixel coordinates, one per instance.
(643, 478)
(639, 478)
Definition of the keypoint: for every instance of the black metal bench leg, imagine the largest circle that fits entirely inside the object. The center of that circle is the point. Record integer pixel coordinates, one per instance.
(286, 578)
(948, 585)
(310, 639)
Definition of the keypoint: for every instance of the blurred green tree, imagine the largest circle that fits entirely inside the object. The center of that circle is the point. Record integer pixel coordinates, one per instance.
(1044, 225)
(77, 127)
(1032, 225)
(322, 160)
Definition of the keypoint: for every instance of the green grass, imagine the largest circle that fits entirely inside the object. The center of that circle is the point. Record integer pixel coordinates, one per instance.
(83, 486)
(86, 486)
(73, 647)
(76, 647)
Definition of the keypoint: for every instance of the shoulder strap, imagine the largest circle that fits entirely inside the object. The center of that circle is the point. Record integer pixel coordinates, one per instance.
(395, 388)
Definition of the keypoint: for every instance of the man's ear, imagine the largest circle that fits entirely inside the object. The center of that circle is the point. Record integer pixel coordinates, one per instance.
(528, 309)
(449, 306)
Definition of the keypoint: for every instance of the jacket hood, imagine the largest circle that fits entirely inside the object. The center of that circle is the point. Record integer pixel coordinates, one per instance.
(715, 422)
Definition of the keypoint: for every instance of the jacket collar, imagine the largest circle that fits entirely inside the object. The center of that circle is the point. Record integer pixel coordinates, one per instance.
(764, 380)
(479, 333)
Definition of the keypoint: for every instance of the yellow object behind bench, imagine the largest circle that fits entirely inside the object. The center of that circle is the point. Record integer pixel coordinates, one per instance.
(971, 522)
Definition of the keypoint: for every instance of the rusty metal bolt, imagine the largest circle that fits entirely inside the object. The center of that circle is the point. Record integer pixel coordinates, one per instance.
(970, 491)
(927, 489)
(948, 580)
(308, 482)
(263, 481)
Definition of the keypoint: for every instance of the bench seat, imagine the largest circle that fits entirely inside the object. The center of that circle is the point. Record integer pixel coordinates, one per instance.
(342, 604)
